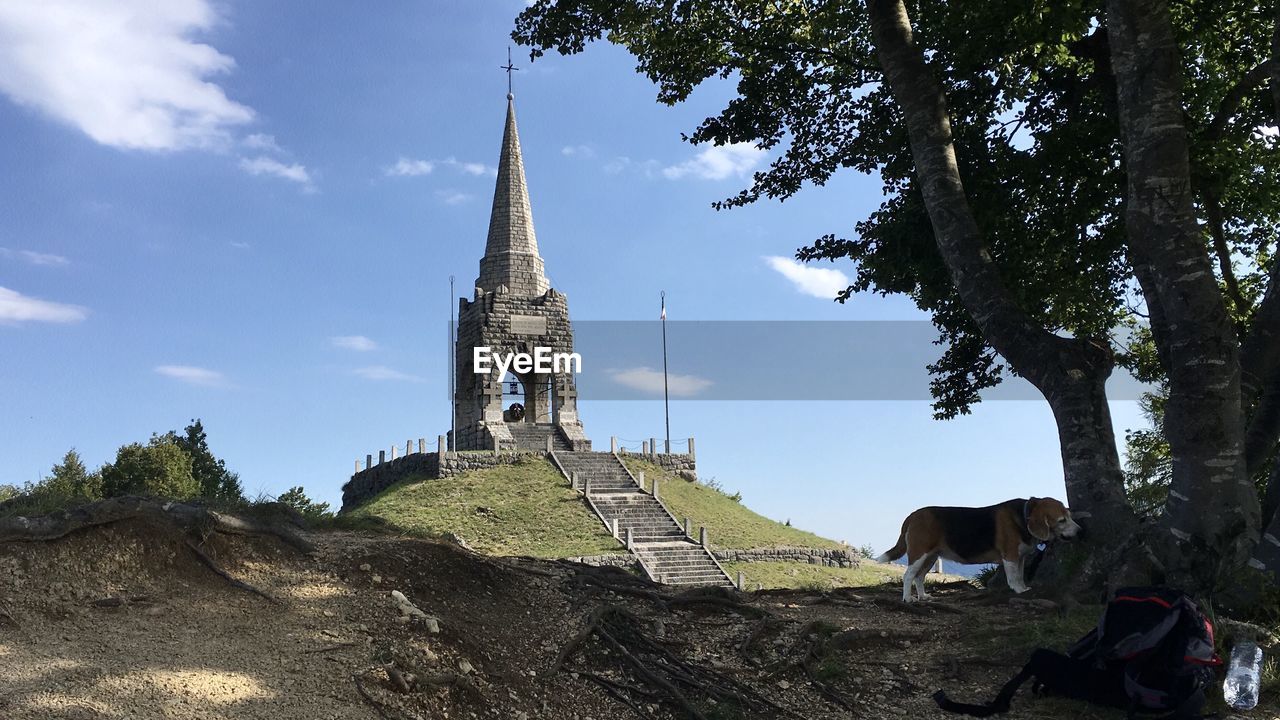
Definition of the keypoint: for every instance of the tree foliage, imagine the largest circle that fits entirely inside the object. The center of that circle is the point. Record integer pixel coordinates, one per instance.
(1032, 104)
(161, 468)
(210, 472)
(70, 479)
(311, 511)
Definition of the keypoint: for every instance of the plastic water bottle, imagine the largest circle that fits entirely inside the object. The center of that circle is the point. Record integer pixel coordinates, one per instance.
(1244, 676)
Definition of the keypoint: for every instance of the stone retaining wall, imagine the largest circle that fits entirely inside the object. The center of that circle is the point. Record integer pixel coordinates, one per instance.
(625, 561)
(812, 556)
(685, 466)
(366, 484)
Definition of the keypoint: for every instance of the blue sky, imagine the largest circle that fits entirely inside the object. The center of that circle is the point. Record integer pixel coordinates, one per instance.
(249, 212)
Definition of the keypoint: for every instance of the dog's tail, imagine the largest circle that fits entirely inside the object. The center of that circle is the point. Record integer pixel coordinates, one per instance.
(897, 550)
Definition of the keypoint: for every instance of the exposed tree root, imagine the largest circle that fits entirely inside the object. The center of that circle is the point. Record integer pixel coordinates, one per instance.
(665, 675)
(190, 517)
(217, 570)
(120, 601)
(377, 706)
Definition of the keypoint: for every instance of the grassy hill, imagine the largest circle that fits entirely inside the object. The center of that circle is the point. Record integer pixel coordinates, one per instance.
(525, 509)
(529, 509)
(730, 523)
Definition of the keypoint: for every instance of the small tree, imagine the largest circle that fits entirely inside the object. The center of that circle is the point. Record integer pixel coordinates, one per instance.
(70, 479)
(160, 468)
(210, 472)
(311, 511)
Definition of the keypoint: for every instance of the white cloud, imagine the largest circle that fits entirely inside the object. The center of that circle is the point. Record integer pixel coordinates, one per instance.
(405, 167)
(381, 372)
(192, 375)
(471, 168)
(359, 343)
(263, 165)
(584, 151)
(824, 283)
(125, 72)
(240, 245)
(452, 197)
(650, 381)
(18, 308)
(33, 257)
(718, 162)
(260, 141)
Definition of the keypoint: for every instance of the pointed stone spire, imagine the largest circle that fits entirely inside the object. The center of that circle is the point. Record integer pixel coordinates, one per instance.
(511, 252)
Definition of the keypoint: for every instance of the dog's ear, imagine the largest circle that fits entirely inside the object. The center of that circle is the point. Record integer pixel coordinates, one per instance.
(1038, 522)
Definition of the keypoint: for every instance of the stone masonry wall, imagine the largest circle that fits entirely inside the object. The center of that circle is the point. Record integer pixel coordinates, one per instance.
(812, 556)
(366, 484)
(676, 463)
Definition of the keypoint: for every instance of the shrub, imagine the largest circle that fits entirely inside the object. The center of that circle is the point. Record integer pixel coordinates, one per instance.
(160, 469)
(312, 512)
(211, 474)
(70, 480)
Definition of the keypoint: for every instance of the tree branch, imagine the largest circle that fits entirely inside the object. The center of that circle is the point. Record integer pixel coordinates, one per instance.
(1234, 97)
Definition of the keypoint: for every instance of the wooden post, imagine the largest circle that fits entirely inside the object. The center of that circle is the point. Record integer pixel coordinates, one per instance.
(442, 445)
(382, 456)
(613, 444)
(692, 455)
(644, 448)
(393, 452)
(573, 479)
(613, 527)
(702, 536)
(422, 445)
(408, 448)
(653, 446)
(631, 544)
(549, 448)
(655, 486)
(742, 582)
(357, 467)
(368, 461)
(688, 528)
(640, 479)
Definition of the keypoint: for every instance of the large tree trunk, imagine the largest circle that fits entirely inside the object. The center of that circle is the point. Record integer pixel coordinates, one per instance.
(1070, 372)
(1212, 513)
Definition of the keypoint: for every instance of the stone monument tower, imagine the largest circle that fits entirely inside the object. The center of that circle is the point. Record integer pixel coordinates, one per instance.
(514, 310)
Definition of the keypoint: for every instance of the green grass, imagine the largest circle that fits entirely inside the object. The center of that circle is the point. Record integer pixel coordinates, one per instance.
(730, 523)
(799, 576)
(523, 509)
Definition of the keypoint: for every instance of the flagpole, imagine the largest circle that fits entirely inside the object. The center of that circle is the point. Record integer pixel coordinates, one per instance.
(453, 351)
(666, 396)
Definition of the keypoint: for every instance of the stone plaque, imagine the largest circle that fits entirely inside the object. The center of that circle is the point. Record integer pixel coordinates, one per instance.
(528, 325)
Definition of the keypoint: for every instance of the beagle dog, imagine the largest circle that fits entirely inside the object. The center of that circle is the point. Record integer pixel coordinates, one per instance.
(1008, 533)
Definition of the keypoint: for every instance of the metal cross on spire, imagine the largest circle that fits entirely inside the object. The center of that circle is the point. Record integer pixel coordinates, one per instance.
(508, 67)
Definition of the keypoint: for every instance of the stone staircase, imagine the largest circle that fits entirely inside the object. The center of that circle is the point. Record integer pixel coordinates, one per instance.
(530, 436)
(667, 555)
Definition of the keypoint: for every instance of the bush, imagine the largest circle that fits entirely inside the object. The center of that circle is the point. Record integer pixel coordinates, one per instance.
(312, 512)
(71, 480)
(160, 469)
(211, 474)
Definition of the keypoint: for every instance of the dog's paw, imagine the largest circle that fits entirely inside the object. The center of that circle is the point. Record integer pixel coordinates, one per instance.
(926, 596)
(1022, 590)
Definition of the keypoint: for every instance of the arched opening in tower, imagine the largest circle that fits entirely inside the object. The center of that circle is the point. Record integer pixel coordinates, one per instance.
(528, 398)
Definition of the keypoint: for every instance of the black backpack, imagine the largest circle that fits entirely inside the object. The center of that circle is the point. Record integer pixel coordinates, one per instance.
(1151, 652)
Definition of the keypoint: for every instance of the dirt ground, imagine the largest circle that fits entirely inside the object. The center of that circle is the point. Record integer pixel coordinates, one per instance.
(124, 622)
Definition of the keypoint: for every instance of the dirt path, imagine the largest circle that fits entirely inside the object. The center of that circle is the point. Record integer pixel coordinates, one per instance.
(189, 645)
